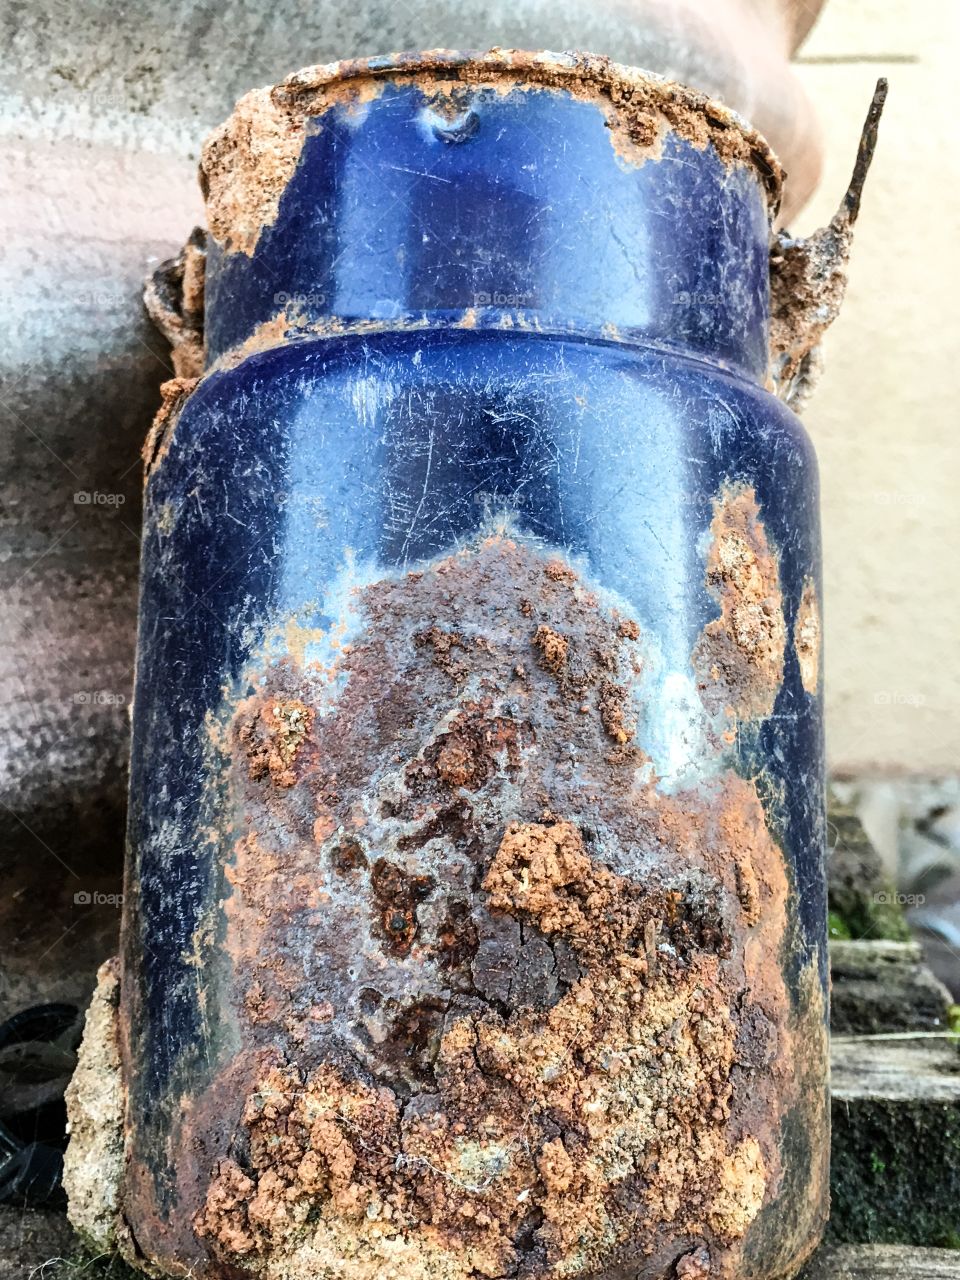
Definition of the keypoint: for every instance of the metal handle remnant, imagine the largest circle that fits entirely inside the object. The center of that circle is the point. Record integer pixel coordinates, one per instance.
(808, 278)
(475, 919)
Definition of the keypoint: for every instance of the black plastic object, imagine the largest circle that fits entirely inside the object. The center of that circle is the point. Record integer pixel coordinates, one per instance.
(37, 1056)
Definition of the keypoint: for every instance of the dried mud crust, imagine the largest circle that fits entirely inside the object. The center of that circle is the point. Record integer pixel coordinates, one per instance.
(248, 161)
(93, 1162)
(174, 394)
(506, 1008)
(739, 657)
(174, 298)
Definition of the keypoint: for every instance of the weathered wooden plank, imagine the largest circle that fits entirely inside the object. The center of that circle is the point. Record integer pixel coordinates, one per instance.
(884, 986)
(883, 1262)
(896, 1141)
(863, 900)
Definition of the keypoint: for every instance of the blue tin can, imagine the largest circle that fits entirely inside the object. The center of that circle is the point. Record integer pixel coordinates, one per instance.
(475, 919)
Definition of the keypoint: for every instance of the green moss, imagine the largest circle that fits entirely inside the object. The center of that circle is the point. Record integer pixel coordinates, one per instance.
(895, 1172)
(860, 891)
(837, 926)
(885, 919)
(953, 1021)
(877, 917)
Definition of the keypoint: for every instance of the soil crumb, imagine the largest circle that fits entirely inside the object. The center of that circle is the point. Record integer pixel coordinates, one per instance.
(272, 735)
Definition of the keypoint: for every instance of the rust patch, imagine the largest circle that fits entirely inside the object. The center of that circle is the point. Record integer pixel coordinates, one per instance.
(247, 163)
(503, 1006)
(476, 746)
(807, 637)
(558, 571)
(271, 333)
(397, 895)
(739, 656)
(444, 644)
(245, 166)
(694, 1265)
(639, 108)
(290, 326)
(347, 855)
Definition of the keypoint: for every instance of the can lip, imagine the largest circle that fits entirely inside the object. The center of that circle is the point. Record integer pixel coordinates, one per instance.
(605, 77)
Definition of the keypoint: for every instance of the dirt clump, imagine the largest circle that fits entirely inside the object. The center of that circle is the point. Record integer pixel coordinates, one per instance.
(554, 648)
(613, 699)
(272, 735)
(93, 1163)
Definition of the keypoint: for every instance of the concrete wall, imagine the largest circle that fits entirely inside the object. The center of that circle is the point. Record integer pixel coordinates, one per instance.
(885, 418)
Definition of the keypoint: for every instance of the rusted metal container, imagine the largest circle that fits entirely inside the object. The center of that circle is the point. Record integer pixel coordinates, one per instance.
(475, 914)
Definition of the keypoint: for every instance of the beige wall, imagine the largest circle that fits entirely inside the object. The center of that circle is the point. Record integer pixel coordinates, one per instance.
(886, 417)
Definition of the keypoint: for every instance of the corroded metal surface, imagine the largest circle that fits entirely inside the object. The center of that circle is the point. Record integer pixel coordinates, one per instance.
(475, 914)
(105, 110)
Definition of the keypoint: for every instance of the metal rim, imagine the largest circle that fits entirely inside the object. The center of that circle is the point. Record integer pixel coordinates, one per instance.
(607, 78)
